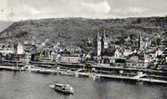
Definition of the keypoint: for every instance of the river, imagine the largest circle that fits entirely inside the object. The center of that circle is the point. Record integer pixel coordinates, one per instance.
(27, 85)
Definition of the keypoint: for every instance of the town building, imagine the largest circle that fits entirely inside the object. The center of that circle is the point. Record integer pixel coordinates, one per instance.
(70, 59)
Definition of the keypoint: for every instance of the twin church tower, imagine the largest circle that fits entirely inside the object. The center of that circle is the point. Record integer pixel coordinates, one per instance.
(102, 43)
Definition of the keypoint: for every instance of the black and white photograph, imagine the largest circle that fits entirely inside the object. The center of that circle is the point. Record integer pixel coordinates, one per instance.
(83, 49)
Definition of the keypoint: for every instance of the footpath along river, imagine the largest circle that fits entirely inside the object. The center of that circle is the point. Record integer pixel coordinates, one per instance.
(27, 85)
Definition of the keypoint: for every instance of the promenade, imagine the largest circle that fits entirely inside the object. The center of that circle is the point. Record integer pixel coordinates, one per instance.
(94, 75)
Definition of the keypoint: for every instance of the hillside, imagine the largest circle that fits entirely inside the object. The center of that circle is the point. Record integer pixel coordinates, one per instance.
(4, 25)
(74, 30)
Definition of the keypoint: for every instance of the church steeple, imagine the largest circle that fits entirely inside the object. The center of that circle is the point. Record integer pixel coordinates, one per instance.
(140, 42)
(105, 40)
(99, 45)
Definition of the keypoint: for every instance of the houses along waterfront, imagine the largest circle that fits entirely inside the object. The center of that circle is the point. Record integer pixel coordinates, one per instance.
(136, 58)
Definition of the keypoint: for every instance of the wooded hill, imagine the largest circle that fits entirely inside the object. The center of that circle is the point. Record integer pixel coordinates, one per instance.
(74, 30)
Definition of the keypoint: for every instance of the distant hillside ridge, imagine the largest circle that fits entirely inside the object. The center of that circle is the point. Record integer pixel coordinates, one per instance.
(74, 30)
(4, 25)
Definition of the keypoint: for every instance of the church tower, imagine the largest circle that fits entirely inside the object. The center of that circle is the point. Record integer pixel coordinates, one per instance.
(105, 41)
(99, 45)
(141, 43)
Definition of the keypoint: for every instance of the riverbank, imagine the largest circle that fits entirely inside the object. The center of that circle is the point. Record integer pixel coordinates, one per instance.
(84, 73)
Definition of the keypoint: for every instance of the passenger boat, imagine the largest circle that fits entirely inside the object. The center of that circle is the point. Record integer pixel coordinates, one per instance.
(63, 88)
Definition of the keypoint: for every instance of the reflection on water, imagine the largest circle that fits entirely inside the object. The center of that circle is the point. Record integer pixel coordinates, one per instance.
(26, 85)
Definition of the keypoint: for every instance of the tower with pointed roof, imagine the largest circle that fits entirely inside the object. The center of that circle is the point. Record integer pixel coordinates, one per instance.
(99, 45)
(105, 41)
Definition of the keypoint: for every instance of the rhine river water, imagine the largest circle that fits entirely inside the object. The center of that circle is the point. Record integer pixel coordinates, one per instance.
(27, 85)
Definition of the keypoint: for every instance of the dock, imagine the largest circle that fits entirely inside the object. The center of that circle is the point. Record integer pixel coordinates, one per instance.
(110, 68)
(80, 73)
(11, 68)
(119, 77)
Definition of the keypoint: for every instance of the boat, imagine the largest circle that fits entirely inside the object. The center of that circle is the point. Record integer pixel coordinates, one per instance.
(62, 88)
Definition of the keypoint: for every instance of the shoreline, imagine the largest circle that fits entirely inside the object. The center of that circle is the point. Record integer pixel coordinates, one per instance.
(92, 75)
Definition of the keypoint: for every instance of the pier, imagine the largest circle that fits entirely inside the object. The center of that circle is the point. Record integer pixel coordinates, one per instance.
(119, 77)
(139, 77)
(11, 68)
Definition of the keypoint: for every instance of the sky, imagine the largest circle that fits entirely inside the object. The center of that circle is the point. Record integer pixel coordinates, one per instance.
(15, 10)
